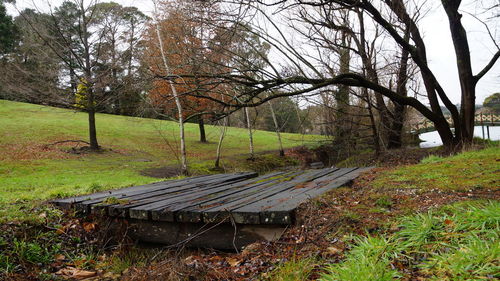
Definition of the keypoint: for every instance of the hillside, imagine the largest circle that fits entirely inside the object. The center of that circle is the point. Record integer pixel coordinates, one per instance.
(31, 170)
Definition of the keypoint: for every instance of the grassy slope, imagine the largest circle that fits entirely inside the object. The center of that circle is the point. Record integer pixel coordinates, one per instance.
(451, 242)
(462, 172)
(458, 242)
(28, 171)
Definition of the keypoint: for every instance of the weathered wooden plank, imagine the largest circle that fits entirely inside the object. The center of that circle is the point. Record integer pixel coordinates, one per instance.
(143, 211)
(252, 212)
(65, 202)
(173, 191)
(164, 210)
(252, 215)
(96, 205)
(187, 193)
(270, 199)
(283, 211)
(192, 212)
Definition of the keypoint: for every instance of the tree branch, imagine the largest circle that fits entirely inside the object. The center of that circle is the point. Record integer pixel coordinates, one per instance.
(487, 68)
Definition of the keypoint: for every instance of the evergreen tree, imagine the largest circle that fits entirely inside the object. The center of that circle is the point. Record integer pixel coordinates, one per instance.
(8, 31)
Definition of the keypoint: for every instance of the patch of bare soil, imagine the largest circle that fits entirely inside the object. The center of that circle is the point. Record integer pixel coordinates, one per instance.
(404, 156)
(30, 151)
(319, 231)
(389, 158)
(162, 172)
(65, 149)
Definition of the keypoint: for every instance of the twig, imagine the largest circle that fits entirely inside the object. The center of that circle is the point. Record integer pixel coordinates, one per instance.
(233, 222)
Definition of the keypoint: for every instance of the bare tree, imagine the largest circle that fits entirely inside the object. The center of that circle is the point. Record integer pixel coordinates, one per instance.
(184, 169)
(396, 19)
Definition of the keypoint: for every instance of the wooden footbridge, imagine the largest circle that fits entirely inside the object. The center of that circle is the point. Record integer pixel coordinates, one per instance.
(479, 120)
(219, 211)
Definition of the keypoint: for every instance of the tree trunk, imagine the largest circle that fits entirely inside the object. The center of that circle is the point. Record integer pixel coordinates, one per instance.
(219, 144)
(342, 98)
(201, 124)
(467, 80)
(250, 134)
(73, 81)
(277, 129)
(370, 70)
(91, 108)
(184, 169)
(373, 124)
(94, 145)
(443, 129)
(396, 129)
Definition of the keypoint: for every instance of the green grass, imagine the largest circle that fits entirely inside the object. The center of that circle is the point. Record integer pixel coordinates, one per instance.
(457, 242)
(292, 270)
(30, 173)
(369, 260)
(465, 171)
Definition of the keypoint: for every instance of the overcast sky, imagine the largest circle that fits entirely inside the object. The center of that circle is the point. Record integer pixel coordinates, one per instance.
(436, 35)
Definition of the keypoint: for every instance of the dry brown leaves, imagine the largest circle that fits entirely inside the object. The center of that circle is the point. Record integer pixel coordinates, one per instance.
(75, 273)
(33, 151)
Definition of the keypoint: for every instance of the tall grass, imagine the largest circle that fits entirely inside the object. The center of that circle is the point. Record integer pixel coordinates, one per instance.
(458, 242)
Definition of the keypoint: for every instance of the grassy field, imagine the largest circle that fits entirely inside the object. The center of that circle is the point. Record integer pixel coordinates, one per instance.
(435, 220)
(31, 171)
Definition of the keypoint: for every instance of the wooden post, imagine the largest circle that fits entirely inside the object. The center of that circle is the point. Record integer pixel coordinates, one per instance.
(482, 124)
(488, 130)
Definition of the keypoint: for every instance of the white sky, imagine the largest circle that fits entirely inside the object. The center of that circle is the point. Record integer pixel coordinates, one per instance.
(436, 35)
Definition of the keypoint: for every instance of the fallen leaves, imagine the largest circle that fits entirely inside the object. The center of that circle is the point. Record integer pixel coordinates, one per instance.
(77, 224)
(448, 222)
(89, 226)
(232, 261)
(333, 250)
(59, 257)
(75, 273)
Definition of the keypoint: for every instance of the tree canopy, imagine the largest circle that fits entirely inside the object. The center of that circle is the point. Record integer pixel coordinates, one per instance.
(493, 102)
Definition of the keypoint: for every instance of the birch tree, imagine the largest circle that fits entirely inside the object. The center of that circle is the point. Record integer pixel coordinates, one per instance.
(168, 73)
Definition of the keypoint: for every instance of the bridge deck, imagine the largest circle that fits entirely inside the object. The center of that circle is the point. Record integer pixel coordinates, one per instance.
(242, 197)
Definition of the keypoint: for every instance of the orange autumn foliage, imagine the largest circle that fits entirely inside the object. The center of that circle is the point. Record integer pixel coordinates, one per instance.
(187, 54)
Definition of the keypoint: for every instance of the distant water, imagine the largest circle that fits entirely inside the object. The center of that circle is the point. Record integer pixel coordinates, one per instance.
(432, 139)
